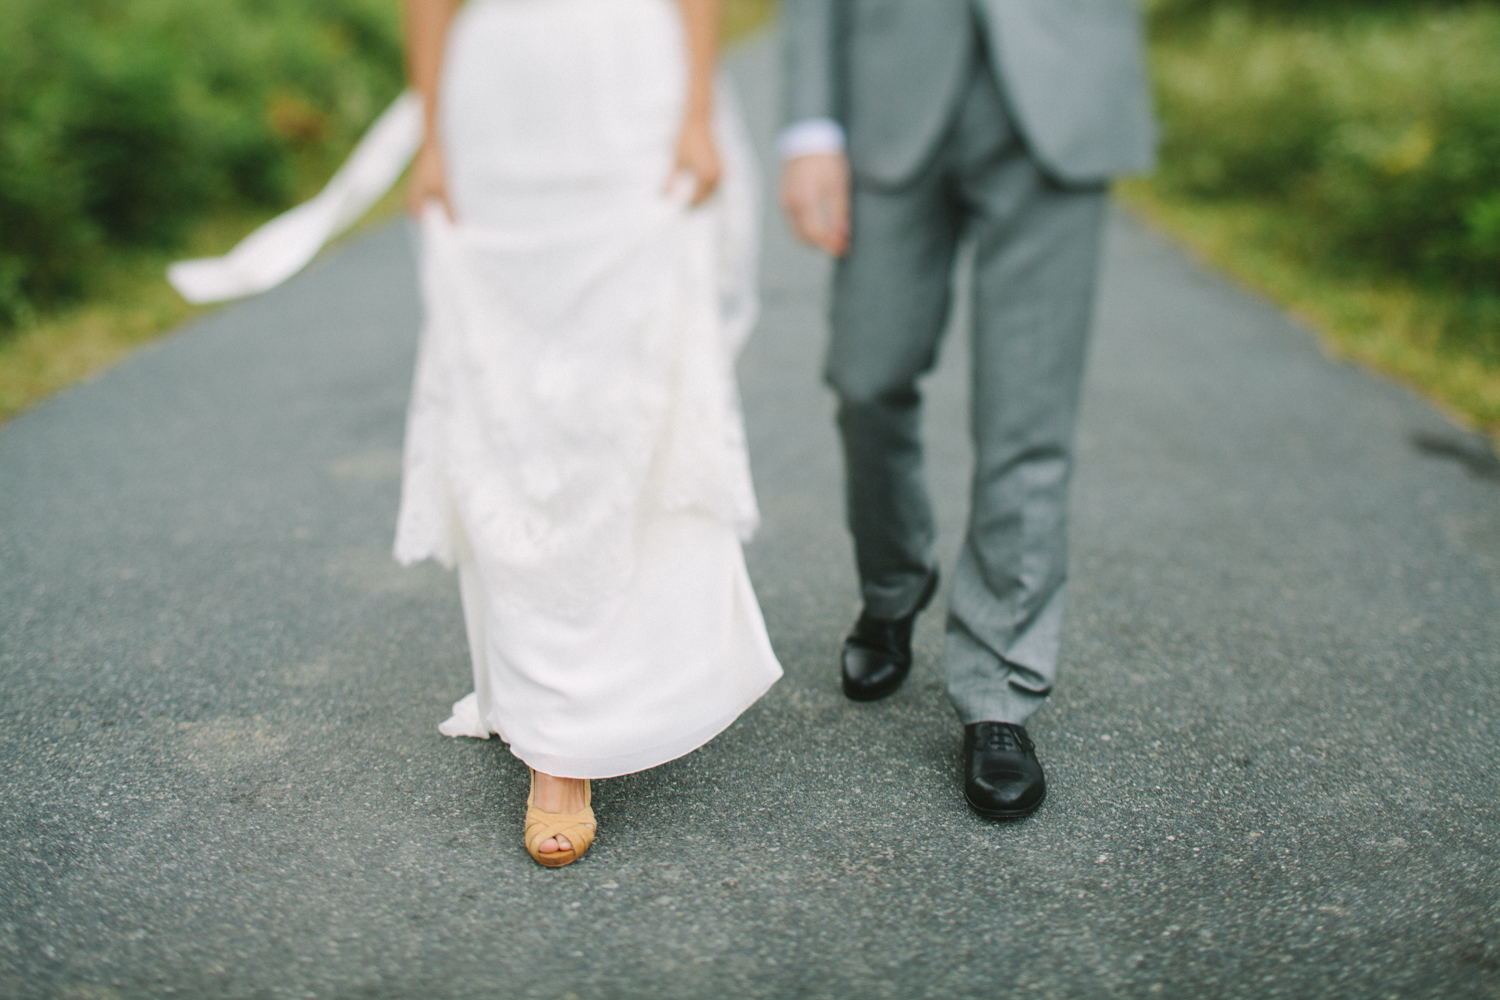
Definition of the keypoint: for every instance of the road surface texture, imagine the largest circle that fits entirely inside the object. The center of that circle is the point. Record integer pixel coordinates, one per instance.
(1271, 759)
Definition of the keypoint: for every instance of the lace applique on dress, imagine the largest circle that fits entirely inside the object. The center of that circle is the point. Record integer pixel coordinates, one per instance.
(575, 378)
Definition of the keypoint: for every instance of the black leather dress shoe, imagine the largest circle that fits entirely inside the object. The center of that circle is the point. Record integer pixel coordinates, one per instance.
(1002, 777)
(877, 655)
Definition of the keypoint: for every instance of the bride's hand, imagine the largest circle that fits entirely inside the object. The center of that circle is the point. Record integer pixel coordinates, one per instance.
(429, 180)
(698, 154)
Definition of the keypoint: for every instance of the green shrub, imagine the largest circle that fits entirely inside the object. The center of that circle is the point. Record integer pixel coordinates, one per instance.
(123, 121)
(1164, 11)
(1381, 126)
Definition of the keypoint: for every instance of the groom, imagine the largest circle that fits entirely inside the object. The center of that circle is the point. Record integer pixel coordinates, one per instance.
(913, 125)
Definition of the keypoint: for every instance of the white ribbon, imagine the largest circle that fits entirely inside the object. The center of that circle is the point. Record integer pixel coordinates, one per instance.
(285, 245)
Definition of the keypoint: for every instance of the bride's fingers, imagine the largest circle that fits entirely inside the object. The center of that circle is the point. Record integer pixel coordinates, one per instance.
(418, 197)
(704, 180)
(697, 156)
(705, 185)
(429, 181)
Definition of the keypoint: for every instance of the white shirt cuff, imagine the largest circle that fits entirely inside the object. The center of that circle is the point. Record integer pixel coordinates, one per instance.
(811, 136)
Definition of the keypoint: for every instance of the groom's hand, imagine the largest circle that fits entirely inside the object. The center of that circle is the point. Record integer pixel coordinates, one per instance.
(815, 194)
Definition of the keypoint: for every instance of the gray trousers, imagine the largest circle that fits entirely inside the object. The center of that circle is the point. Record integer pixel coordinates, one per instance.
(1035, 265)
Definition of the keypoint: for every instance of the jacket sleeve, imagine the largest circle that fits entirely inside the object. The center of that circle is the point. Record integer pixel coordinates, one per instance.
(812, 51)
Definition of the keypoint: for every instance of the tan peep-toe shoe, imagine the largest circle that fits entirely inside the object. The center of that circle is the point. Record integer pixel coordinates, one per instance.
(577, 827)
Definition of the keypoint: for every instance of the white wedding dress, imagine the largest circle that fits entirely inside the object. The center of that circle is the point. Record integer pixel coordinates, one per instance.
(574, 442)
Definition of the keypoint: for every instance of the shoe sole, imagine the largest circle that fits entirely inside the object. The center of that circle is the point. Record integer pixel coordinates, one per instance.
(866, 697)
(545, 860)
(1007, 813)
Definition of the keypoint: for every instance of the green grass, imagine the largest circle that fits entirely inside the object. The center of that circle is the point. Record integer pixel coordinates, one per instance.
(1387, 325)
(1345, 161)
(130, 304)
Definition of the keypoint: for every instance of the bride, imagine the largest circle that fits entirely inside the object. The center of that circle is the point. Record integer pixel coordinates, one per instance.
(574, 442)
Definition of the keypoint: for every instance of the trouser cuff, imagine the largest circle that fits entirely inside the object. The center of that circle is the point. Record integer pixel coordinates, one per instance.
(900, 599)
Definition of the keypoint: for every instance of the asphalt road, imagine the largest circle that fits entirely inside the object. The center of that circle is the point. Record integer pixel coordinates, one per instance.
(1271, 759)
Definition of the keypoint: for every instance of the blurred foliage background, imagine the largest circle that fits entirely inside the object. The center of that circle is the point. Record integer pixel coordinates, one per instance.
(1341, 155)
(1345, 156)
(124, 122)
(133, 132)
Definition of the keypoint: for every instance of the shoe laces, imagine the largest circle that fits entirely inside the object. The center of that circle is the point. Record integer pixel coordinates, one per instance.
(1004, 736)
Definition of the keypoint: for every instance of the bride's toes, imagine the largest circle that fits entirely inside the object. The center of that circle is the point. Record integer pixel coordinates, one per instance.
(554, 844)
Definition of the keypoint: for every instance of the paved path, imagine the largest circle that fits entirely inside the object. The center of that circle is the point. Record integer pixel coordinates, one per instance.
(1272, 758)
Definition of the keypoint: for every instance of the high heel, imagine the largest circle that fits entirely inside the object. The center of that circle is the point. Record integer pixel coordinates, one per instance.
(577, 827)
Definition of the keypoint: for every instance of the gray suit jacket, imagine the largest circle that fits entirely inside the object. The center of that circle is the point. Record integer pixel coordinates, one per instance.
(890, 71)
